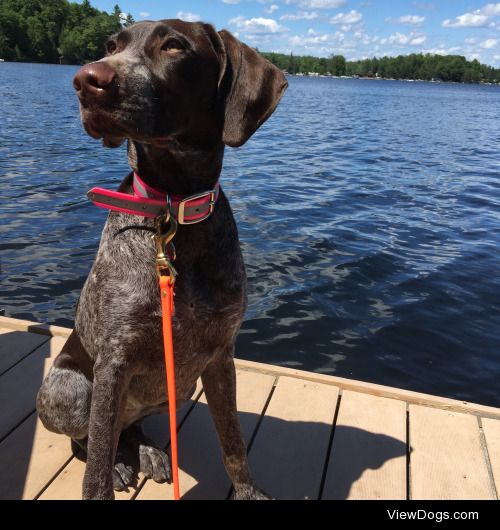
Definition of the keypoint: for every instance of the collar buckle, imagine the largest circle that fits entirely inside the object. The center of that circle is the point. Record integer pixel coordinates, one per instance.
(181, 216)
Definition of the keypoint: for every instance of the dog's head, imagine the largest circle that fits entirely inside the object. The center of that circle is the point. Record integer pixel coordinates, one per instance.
(177, 80)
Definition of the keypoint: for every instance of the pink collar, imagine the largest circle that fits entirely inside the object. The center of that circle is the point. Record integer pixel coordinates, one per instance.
(149, 202)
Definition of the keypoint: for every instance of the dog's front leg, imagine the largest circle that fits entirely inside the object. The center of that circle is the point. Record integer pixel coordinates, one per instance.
(108, 401)
(219, 384)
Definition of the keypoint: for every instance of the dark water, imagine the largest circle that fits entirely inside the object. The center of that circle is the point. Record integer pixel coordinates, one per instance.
(369, 214)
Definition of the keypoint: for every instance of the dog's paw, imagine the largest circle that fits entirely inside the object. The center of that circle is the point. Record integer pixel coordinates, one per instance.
(123, 476)
(155, 464)
(249, 492)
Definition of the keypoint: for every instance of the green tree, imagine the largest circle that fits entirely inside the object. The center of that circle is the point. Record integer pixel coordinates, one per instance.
(71, 46)
(42, 30)
(337, 65)
(129, 20)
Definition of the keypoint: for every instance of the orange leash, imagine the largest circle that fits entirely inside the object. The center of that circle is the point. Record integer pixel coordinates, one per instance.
(167, 309)
(166, 227)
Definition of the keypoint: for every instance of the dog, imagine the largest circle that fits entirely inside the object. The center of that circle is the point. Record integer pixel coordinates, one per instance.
(178, 93)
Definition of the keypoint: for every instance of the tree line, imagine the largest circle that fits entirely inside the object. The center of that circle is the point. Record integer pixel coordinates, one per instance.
(53, 31)
(415, 66)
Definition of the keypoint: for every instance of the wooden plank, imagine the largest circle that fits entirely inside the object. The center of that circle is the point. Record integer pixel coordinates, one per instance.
(491, 429)
(15, 345)
(446, 457)
(34, 327)
(202, 474)
(289, 451)
(19, 386)
(29, 458)
(68, 483)
(409, 396)
(368, 458)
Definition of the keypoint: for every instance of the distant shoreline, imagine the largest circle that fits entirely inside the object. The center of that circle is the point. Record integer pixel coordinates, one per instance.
(312, 75)
(364, 78)
(427, 67)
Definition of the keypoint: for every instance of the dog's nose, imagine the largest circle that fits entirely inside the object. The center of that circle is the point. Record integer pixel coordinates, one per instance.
(95, 81)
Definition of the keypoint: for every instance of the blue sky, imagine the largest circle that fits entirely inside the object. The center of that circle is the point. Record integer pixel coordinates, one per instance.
(353, 28)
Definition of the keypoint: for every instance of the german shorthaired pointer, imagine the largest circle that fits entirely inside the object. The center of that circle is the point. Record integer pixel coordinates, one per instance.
(179, 93)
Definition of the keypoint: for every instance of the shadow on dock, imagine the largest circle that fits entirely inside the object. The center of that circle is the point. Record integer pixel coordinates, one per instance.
(284, 469)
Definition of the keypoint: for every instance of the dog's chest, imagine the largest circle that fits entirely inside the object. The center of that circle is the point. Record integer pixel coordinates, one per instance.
(119, 313)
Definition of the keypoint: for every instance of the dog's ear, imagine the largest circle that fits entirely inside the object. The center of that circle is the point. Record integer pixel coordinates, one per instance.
(251, 88)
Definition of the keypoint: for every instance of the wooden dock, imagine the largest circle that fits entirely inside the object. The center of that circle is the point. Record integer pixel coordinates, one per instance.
(309, 436)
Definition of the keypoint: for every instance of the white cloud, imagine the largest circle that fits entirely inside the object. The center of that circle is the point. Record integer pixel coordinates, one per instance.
(352, 46)
(301, 15)
(490, 10)
(436, 51)
(361, 37)
(413, 39)
(231, 1)
(271, 9)
(479, 18)
(416, 41)
(318, 44)
(257, 26)
(296, 40)
(468, 20)
(346, 18)
(188, 17)
(317, 4)
(144, 14)
(412, 20)
(489, 44)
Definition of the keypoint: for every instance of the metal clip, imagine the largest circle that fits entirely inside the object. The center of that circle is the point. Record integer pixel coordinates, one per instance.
(166, 228)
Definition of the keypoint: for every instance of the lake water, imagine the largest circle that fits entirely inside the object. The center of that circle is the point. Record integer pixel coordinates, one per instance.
(369, 214)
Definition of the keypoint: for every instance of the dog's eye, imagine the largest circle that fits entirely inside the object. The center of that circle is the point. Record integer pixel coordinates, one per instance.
(172, 46)
(111, 46)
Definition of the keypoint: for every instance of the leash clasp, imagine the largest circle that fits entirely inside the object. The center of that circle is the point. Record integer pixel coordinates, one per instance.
(166, 228)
